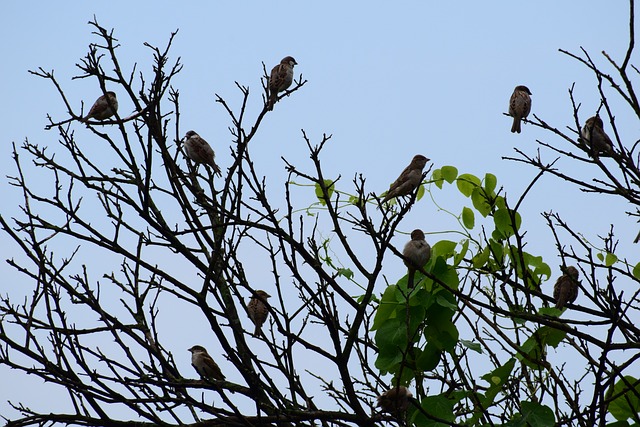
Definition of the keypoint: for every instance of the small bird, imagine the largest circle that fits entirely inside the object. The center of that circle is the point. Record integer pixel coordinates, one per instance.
(281, 78)
(258, 310)
(409, 179)
(519, 106)
(416, 254)
(104, 107)
(566, 288)
(594, 136)
(200, 151)
(204, 364)
(395, 401)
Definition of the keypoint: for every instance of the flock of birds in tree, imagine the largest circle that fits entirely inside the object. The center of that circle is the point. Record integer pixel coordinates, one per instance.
(416, 252)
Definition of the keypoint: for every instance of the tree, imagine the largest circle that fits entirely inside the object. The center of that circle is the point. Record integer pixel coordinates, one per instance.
(325, 354)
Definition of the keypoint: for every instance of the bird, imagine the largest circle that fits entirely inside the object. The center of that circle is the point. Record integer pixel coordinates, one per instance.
(258, 310)
(416, 254)
(104, 107)
(596, 139)
(200, 151)
(409, 179)
(204, 364)
(280, 80)
(566, 288)
(395, 401)
(519, 106)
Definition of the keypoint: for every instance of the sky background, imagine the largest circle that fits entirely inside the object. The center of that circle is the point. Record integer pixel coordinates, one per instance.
(388, 81)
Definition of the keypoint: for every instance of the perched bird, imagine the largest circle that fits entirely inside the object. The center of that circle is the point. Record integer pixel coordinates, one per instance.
(281, 78)
(566, 288)
(409, 179)
(200, 151)
(594, 136)
(519, 106)
(395, 401)
(258, 310)
(104, 107)
(416, 253)
(204, 364)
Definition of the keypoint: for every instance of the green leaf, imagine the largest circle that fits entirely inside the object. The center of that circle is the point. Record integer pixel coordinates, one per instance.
(537, 415)
(490, 183)
(472, 345)
(480, 202)
(387, 307)
(429, 359)
(449, 173)
(466, 183)
(481, 258)
(627, 404)
(468, 219)
(421, 191)
(496, 380)
(439, 407)
(636, 271)
(497, 251)
(329, 186)
(610, 259)
(436, 177)
(503, 223)
(459, 257)
(444, 249)
(346, 272)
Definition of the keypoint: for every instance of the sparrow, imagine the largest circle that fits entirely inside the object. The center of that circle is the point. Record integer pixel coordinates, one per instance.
(258, 310)
(594, 136)
(409, 179)
(566, 288)
(394, 401)
(204, 364)
(200, 151)
(104, 107)
(416, 254)
(519, 106)
(281, 78)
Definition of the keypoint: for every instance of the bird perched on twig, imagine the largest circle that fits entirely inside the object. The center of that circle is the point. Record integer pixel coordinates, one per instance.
(104, 107)
(416, 254)
(280, 79)
(566, 288)
(204, 364)
(519, 106)
(409, 179)
(594, 136)
(199, 150)
(395, 401)
(258, 310)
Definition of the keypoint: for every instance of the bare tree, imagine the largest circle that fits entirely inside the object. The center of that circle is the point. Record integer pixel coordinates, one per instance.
(99, 339)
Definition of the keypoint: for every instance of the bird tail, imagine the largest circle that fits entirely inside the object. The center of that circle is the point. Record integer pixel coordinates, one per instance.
(216, 170)
(273, 97)
(516, 125)
(412, 275)
(256, 332)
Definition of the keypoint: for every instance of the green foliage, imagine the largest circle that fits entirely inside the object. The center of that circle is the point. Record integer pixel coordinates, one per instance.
(626, 403)
(329, 185)
(533, 414)
(608, 258)
(414, 326)
(439, 407)
(534, 349)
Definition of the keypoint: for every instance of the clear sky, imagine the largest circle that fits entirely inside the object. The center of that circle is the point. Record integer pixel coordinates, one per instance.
(388, 80)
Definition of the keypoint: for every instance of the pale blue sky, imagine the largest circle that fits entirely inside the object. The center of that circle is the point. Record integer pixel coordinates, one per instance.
(388, 80)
